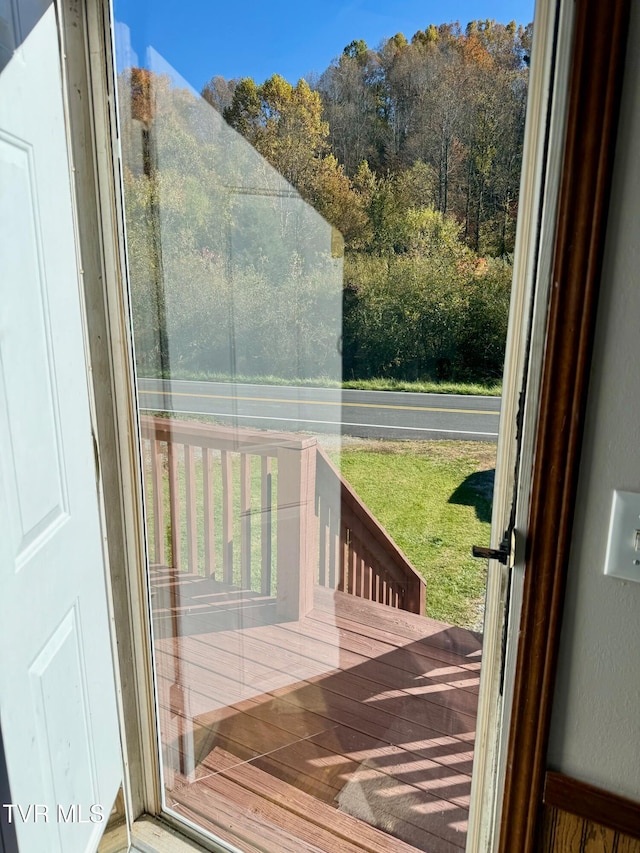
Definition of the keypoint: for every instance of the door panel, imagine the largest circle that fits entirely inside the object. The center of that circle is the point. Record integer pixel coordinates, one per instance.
(59, 713)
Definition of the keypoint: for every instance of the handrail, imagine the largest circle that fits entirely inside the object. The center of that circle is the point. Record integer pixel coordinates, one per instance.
(197, 434)
(370, 563)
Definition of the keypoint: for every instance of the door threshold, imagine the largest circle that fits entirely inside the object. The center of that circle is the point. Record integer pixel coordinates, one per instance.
(150, 835)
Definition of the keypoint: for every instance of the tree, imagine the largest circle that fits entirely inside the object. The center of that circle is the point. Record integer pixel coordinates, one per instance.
(283, 122)
(219, 93)
(352, 96)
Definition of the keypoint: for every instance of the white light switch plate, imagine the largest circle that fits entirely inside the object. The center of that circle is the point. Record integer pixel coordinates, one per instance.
(623, 546)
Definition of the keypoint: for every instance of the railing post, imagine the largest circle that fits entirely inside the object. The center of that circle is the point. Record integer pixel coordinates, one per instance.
(297, 529)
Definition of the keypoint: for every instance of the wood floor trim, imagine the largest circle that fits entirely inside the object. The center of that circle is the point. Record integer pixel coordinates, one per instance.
(591, 803)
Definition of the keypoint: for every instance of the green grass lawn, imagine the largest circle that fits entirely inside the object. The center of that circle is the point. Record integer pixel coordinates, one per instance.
(491, 389)
(434, 499)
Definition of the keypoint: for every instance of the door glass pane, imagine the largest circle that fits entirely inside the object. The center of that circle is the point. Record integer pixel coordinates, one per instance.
(314, 259)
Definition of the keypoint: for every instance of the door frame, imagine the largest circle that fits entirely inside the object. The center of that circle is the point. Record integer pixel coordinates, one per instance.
(539, 192)
(595, 87)
(596, 64)
(87, 52)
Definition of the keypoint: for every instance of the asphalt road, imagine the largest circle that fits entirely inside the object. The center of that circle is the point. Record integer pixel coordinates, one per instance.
(367, 414)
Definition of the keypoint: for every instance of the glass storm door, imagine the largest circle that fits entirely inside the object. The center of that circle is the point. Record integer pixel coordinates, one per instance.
(320, 269)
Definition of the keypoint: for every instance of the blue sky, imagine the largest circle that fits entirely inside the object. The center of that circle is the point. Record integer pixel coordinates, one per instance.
(257, 38)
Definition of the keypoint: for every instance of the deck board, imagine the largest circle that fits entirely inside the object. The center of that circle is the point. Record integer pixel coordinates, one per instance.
(408, 663)
(374, 638)
(305, 806)
(349, 730)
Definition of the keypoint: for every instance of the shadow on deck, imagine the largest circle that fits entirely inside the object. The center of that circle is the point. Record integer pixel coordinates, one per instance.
(350, 729)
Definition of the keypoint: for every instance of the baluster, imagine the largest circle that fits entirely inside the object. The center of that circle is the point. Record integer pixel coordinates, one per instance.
(324, 532)
(207, 502)
(245, 521)
(353, 559)
(376, 592)
(357, 585)
(265, 524)
(344, 554)
(366, 576)
(158, 501)
(227, 517)
(334, 544)
(191, 514)
(174, 507)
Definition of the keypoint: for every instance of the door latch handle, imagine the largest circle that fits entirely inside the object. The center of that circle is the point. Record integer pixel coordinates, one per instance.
(502, 554)
(491, 554)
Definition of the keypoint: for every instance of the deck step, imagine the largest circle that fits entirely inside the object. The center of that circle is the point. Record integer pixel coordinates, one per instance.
(302, 818)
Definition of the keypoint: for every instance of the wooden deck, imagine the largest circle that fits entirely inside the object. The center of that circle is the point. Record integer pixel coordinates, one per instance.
(349, 730)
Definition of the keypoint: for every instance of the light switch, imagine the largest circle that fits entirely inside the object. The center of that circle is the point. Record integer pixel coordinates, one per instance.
(623, 546)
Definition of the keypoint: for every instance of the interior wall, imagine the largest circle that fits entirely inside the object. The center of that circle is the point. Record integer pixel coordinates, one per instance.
(595, 733)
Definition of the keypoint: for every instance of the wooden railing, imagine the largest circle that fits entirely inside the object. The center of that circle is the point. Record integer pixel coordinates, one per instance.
(202, 470)
(356, 554)
(266, 512)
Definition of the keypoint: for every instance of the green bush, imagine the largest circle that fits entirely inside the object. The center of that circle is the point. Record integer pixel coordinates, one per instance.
(425, 316)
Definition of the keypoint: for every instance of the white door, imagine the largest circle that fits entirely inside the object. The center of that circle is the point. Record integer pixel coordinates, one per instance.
(57, 694)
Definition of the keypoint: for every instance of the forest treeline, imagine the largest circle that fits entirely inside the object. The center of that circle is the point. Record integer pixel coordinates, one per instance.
(445, 110)
(411, 151)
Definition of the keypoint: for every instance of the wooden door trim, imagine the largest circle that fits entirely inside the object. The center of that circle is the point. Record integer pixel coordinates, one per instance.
(594, 96)
(590, 803)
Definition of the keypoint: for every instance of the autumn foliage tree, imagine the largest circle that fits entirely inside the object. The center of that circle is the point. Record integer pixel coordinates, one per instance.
(411, 151)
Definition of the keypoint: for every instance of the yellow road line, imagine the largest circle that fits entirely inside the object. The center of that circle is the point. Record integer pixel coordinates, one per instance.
(323, 403)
